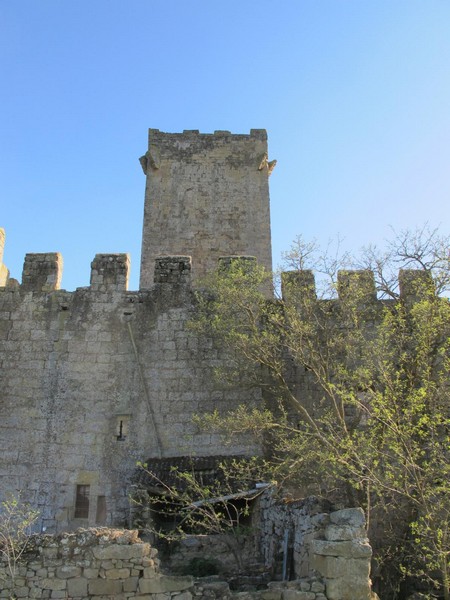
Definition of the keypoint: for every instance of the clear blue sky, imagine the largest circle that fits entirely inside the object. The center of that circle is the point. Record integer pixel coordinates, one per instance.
(354, 94)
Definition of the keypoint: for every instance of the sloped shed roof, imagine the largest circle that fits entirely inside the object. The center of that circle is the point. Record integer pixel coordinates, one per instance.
(164, 471)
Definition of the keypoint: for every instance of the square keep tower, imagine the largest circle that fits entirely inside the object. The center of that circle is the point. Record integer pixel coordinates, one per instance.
(207, 195)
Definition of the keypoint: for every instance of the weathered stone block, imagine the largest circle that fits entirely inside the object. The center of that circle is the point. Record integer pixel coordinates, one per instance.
(271, 595)
(68, 571)
(182, 596)
(335, 533)
(298, 595)
(165, 584)
(415, 284)
(120, 552)
(104, 587)
(149, 572)
(276, 585)
(172, 269)
(54, 584)
(349, 549)
(218, 588)
(298, 285)
(357, 286)
(344, 589)
(117, 573)
(58, 594)
(77, 587)
(51, 552)
(130, 584)
(90, 573)
(22, 592)
(333, 567)
(354, 517)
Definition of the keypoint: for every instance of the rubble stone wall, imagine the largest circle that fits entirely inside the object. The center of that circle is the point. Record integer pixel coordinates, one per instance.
(93, 563)
(330, 544)
(105, 563)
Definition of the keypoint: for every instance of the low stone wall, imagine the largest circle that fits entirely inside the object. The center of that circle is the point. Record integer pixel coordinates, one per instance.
(301, 589)
(101, 564)
(92, 563)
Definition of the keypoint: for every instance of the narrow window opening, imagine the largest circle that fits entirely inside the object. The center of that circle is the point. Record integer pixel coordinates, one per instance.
(122, 428)
(82, 502)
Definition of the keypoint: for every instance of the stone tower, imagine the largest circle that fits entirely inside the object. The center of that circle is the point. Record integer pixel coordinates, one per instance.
(207, 195)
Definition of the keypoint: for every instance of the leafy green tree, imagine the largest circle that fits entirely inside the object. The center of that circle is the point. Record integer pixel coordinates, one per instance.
(356, 397)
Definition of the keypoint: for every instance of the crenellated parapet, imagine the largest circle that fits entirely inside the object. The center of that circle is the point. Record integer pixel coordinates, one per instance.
(42, 272)
(415, 284)
(173, 270)
(356, 285)
(110, 272)
(298, 284)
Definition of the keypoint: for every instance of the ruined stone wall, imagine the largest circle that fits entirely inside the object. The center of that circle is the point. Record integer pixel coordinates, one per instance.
(105, 563)
(314, 540)
(207, 196)
(93, 563)
(94, 380)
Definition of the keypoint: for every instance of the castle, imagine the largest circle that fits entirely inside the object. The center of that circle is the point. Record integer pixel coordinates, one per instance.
(94, 380)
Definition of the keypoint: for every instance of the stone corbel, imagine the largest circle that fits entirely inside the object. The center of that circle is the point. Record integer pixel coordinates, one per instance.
(266, 164)
(150, 159)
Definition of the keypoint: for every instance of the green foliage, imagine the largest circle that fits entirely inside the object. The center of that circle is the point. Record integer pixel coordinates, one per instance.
(380, 431)
(16, 525)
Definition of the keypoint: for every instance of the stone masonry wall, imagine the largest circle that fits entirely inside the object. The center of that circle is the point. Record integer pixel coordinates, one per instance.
(93, 563)
(330, 544)
(94, 380)
(106, 563)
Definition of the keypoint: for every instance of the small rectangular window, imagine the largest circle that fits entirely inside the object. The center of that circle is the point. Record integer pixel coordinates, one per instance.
(122, 427)
(82, 502)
